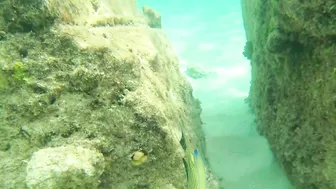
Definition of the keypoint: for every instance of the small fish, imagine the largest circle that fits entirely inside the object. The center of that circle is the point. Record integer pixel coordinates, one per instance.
(195, 171)
(194, 166)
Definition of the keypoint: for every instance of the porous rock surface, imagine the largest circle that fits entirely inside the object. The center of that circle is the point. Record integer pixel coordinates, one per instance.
(83, 85)
(292, 48)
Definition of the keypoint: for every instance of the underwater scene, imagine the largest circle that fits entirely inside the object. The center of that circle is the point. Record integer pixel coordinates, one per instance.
(171, 94)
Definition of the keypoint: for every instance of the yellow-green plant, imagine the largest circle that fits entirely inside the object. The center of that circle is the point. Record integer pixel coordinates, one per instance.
(19, 73)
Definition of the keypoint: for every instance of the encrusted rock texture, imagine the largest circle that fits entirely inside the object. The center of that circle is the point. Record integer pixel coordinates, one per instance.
(292, 48)
(83, 85)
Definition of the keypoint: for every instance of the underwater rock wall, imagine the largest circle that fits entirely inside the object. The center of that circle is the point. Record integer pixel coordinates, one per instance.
(292, 48)
(85, 86)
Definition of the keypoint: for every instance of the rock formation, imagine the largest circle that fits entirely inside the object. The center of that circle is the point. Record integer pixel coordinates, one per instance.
(292, 48)
(85, 85)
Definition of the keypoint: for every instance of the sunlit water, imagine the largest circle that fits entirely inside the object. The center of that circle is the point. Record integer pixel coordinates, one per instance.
(211, 34)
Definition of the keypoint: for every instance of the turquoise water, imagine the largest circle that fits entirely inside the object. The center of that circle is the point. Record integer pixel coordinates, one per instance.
(211, 34)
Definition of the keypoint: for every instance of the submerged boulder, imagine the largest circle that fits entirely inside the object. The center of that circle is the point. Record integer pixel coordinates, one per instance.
(154, 18)
(92, 83)
(293, 85)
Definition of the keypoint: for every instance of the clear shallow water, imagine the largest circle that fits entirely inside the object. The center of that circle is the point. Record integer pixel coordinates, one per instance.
(211, 34)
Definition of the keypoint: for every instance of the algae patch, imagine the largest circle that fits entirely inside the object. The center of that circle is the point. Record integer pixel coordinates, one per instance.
(3, 81)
